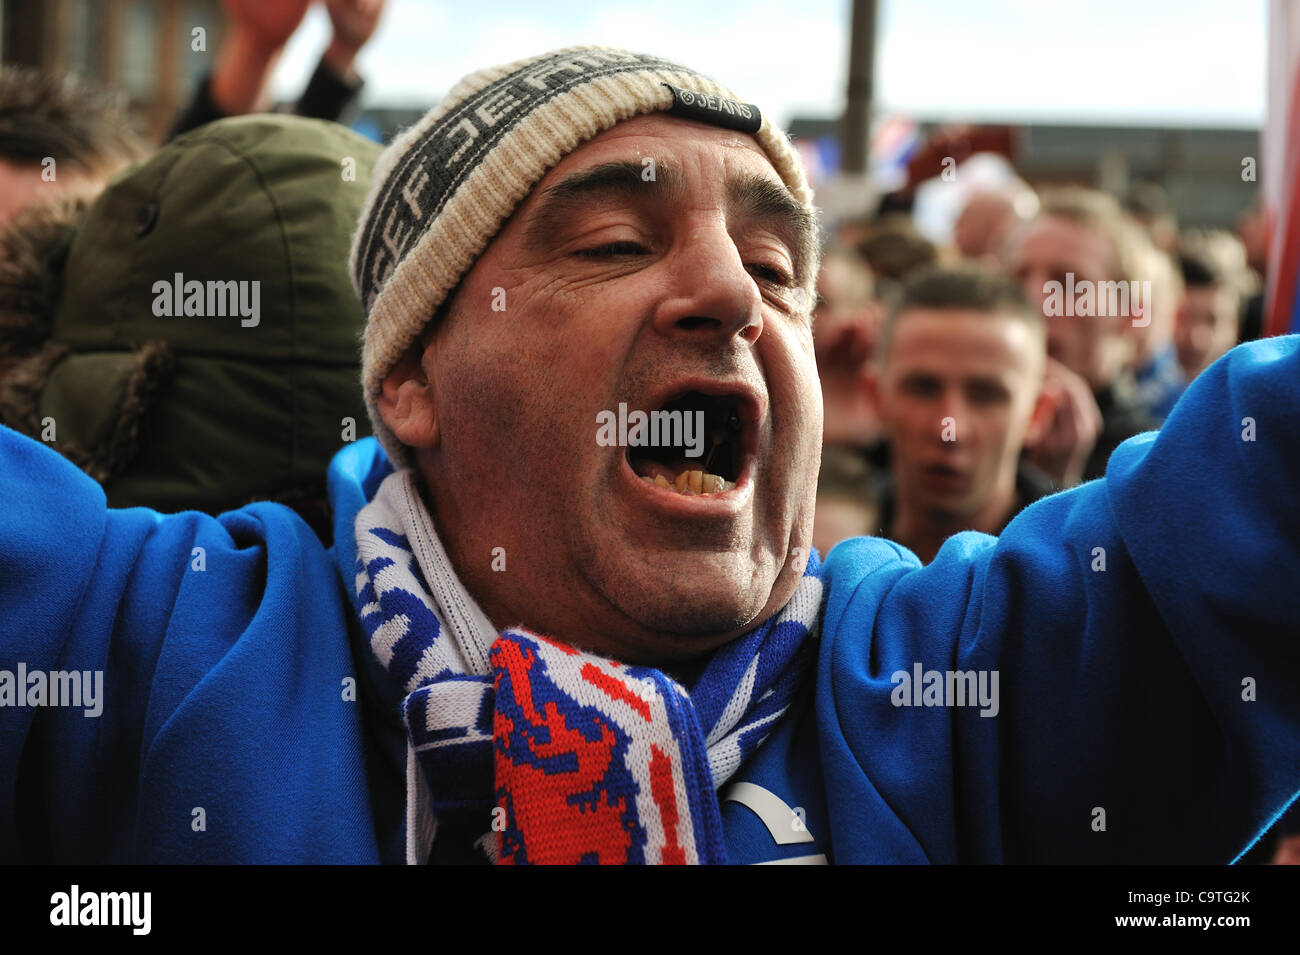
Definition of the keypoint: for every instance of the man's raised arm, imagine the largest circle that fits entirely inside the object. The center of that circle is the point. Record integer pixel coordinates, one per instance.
(165, 679)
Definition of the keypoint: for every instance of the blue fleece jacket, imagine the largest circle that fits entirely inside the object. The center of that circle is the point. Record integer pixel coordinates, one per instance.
(1143, 630)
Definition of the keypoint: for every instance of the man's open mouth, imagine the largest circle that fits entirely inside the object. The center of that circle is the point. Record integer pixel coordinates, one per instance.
(703, 444)
(944, 474)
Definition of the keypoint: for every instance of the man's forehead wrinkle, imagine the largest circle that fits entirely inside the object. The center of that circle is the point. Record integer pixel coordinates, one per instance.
(749, 194)
(625, 178)
(619, 175)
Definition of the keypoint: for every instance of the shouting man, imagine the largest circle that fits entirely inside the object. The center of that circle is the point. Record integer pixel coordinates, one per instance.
(526, 647)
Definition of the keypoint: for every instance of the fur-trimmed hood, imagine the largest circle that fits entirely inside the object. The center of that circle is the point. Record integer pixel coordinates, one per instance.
(33, 254)
(126, 340)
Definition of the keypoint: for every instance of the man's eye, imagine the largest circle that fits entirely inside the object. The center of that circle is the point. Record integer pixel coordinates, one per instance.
(612, 250)
(920, 387)
(769, 273)
(987, 394)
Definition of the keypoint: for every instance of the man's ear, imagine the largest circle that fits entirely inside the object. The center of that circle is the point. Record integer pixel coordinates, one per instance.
(1040, 418)
(408, 400)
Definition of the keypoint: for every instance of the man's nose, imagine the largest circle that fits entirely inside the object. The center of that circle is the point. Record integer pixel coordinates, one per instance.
(952, 417)
(710, 293)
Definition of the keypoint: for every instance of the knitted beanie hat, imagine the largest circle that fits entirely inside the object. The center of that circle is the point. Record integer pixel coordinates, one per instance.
(445, 186)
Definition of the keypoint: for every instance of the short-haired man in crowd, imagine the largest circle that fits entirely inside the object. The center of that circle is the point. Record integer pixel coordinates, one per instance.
(58, 136)
(1081, 240)
(1209, 317)
(959, 390)
(1157, 377)
(528, 644)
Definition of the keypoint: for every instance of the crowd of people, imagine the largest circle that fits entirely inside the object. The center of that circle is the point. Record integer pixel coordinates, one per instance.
(959, 385)
(970, 421)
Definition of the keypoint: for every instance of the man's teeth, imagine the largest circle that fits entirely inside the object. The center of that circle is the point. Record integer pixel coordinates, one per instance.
(691, 483)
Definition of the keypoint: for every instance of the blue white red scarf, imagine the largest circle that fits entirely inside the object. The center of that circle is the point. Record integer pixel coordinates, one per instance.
(559, 756)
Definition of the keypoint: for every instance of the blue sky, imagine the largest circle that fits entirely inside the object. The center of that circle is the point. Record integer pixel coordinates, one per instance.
(1191, 62)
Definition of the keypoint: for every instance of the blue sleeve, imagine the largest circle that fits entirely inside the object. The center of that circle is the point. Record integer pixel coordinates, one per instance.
(224, 732)
(1145, 633)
